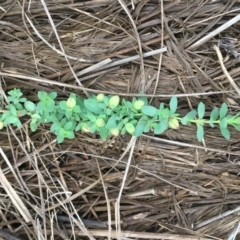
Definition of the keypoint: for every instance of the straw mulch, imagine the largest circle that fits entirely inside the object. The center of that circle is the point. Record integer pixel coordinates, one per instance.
(175, 187)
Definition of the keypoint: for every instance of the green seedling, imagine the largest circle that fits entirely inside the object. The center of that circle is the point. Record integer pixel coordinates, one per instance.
(110, 115)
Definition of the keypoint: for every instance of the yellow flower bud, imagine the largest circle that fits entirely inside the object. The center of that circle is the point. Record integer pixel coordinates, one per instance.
(173, 123)
(85, 128)
(100, 122)
(138, 104)
(130, 128)
(115, 132)
(1, 125)
(71, 102)
(114, 101)
(100, 97)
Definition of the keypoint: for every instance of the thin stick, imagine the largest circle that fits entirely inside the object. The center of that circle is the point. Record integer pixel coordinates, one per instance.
(122, 3)
(215, 32)
(140, 235)
(161, 56)
(12, 194)
(107, 202)
(94, 67)
(236, 153)
(50, 82)
(52, 47)
(232, 235)
(61, 46)
(220, 216)
(117, 204)
(134, 58)
(219, 54)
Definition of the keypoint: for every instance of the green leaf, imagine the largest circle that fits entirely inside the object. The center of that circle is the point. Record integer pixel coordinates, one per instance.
(214, 114)
(60, 138)
(161, 107)
(184, 120)
(11, 120)
(201, 110)
(102, 106)
(42, 95)
(76, 109)
(149, 110)
(18, 124)
(128, 104)
(33, 126)
(120, 125)
(111, 123)
(223, 110)
(140, 127)
(10, 99)
(211, 123)
(78, 127)
(106, 100)
(223, 123)
(225, 132)
(147, 128)
(80, 102)
(125, 120)
(63, 105)
(22, 100)
(30, 106)
(5, 115)
(104, 133)
(68, 126)
(55, 127)
(200, 132)
(165, 113)
(93, 128)
(191, 115)
(161, 127)
(63, 122)
(108, 111)
(92, 106)
(52, 95)
(91, 117)
(40, 106)
(236, 126)
(123, 131)
(69, 134)
(173, 104)
(12, 110)
(18, 106)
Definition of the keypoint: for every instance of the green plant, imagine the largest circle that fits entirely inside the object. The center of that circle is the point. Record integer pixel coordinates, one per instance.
(109, 115)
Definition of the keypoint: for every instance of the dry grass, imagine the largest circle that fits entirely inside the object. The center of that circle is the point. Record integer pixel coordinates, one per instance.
(156, 187)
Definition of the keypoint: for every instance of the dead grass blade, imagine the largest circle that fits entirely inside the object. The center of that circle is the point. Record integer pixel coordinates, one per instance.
(170, 186)
(12, 194)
